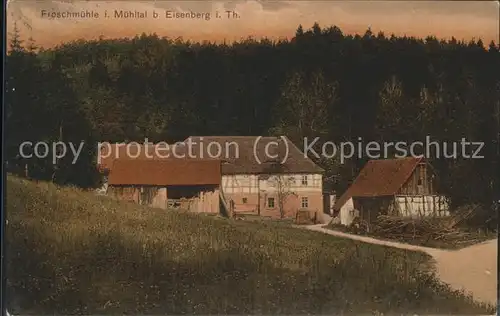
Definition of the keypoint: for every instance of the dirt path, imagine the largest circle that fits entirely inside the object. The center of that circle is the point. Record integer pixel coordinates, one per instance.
(472, 269)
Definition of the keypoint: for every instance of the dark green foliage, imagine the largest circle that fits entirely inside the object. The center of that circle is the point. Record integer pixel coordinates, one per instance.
(372, 86)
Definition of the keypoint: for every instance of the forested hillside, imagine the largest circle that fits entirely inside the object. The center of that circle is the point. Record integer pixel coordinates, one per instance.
(320, 83)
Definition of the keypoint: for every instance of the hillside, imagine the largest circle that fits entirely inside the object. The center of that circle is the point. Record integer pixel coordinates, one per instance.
(70, 252)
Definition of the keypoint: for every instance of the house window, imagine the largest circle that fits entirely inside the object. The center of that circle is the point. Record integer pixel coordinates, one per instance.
(419, 182)
(245, 200)
(270, 202)
(304, 180)
(305, 202)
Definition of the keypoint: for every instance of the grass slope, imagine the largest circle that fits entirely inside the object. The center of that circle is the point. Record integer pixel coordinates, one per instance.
(70, 252)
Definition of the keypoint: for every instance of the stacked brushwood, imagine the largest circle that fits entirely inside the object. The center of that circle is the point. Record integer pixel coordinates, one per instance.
(423, 229)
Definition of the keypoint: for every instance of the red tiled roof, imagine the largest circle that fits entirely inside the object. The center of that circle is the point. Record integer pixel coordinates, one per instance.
(380, 178)
(165, 172)
(110, 152)
(246, 162)
(250, 159)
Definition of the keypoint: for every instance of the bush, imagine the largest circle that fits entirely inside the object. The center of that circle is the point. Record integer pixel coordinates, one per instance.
(477, 216)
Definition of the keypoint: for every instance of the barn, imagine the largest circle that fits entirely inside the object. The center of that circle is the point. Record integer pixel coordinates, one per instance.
(397, 187)
(188, 184)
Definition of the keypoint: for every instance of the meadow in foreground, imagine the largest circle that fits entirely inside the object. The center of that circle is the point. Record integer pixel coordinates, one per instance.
(71, 252)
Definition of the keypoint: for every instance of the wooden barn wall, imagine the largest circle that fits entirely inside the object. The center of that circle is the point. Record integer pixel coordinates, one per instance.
(422, 205)
(370, 208)
(421, 182)
(125, 193)
(402, 205)
(195, 199)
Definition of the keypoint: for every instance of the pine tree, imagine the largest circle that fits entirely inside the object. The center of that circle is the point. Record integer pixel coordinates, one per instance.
(493, 48)
(300, 31)
(15, 43)
(316, 29)
(32, 48)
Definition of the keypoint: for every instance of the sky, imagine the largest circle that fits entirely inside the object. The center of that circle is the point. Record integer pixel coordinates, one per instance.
(272, 19)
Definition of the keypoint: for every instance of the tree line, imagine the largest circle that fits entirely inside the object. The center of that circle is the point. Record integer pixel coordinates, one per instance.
(321, 83)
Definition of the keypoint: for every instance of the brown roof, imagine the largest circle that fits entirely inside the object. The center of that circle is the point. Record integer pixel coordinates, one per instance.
(240, 155)
(110, 152)
(165, 172)
(237, 154)
(380, 178)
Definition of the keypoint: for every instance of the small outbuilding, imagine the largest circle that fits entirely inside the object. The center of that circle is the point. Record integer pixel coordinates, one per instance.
(189, 184)
(397, 187)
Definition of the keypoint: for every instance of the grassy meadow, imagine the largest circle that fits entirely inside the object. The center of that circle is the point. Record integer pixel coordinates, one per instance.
(71, 252)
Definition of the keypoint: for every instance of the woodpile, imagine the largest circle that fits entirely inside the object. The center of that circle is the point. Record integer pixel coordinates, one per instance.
(422, 229)
(417, 229)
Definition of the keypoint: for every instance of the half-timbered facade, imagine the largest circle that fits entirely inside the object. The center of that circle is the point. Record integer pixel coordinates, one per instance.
(266, 175)
(397, 187)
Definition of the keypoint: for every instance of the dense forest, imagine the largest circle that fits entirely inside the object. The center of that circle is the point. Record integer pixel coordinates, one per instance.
(319, 83)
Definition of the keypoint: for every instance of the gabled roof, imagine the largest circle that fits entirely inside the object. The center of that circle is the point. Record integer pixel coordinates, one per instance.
(254, 155)
(239, 154)
(108, 153)
(173, 171)
(382, 177)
